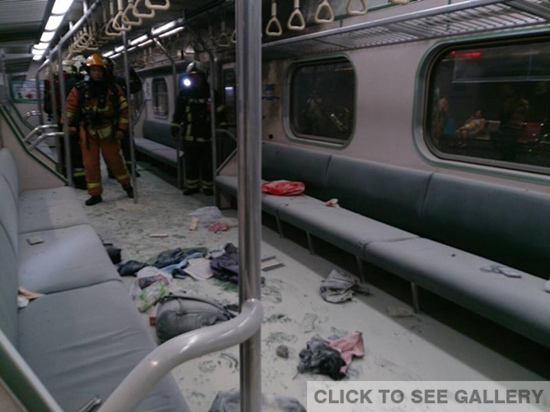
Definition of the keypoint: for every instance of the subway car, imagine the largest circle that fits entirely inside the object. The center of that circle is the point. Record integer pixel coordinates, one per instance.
(355, 192)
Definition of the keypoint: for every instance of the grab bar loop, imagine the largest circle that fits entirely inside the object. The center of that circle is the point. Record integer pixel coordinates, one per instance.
(126, 19)
(361, 12)
(139, 15)
(223, 38)
(296, 14)
(274, 21)
(324, 7)
(152, 6)
(118, 17)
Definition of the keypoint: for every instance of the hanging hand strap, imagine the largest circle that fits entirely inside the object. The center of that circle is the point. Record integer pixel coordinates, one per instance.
(277, 30)
(223, 38)
(126, 18)
(296, 14)
(324, 7)
(139, 15)
(152, 6)
(357, 12)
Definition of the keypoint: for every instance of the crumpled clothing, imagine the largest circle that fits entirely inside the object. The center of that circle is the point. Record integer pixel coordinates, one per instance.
(173, 256)
(226, 266)
(231, 402)
(130, 268)
(283, 188)
(348, 347)
(339, 287)
(218, 227)
(320, 358)
(207, 214)
(170, 268)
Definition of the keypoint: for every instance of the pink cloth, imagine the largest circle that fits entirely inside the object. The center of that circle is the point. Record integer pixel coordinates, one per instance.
(348, 346)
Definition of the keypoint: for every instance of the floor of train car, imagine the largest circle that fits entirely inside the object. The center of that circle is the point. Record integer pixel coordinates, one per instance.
(444, 342)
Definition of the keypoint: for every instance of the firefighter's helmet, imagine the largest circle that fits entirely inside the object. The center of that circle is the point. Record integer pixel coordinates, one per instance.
(195, 67)
(96, 60)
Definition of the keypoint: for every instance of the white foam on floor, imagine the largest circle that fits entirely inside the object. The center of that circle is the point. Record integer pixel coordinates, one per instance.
(396, 348)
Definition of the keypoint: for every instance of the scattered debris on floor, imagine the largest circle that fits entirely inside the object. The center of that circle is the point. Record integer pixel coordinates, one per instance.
(339, 287)
(331, 357)
(230, 401)
(400, 312)
(282, 351)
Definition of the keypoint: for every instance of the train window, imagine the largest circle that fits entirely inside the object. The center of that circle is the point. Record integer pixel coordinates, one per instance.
(322, 100)
(160, 98)
(491, 105)
(229, 81)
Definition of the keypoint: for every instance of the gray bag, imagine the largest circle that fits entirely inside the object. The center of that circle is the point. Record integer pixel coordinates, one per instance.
(179, 314)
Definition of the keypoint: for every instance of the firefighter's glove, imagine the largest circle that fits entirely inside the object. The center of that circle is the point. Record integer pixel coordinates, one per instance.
(175, 130)
(119, 135)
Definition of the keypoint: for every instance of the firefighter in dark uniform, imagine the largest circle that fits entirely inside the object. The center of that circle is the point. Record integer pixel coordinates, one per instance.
(98, 110)
(192, 122)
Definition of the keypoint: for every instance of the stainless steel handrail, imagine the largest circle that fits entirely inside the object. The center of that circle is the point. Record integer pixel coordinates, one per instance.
(32, 113)
(170, 354)
(38, 129)
(44, 136)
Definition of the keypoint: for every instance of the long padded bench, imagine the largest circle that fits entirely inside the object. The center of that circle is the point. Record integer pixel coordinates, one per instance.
(85, 334)
(157, 143)
(439, 232)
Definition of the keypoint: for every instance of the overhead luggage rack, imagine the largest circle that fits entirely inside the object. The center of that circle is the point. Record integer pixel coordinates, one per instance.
(468, 17)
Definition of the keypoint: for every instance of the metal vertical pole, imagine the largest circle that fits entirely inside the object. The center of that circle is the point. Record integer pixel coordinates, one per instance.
(130, 123)
(62, 94)
(52, 90)
(249, 127)
(4, 93)
(55, 113)
(175, 86)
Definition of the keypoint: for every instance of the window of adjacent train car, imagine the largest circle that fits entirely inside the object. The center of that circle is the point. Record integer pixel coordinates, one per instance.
(322, 100)
(491, 105)
(160, 98)
(229, 82)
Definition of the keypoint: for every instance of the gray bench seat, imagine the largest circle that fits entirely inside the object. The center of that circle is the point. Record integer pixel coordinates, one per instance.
(85, 335)
(89, 349)
(520, 304)
(345, 229)
(157, 142)
(69, 258)
(41, 209)
(434, 230)
(50, 209)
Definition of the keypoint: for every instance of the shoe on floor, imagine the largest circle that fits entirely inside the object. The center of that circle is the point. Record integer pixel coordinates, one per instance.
(129, 191)
(94, 200)
(189, 192)
(208, 192)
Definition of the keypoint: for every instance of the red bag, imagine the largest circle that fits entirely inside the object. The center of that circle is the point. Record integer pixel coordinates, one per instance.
(283, 188)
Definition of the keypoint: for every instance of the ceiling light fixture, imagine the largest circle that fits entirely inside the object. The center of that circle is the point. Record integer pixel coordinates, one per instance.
(163, 28)
(169, 33)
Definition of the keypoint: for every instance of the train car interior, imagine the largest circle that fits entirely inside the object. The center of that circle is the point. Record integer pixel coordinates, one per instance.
(207, 204)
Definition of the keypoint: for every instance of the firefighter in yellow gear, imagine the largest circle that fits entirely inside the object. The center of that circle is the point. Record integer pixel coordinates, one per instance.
(98, 110)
